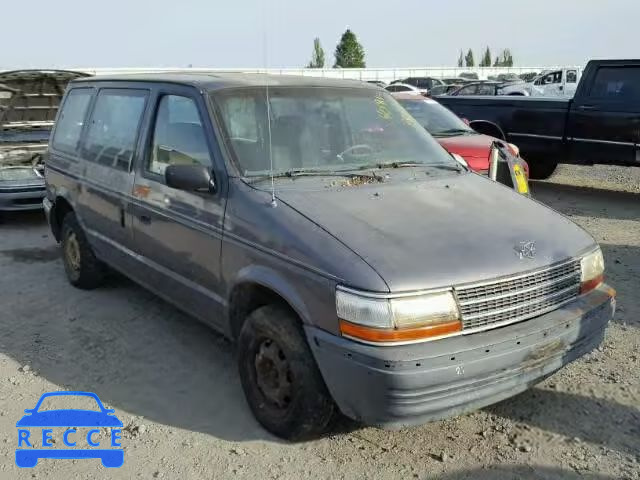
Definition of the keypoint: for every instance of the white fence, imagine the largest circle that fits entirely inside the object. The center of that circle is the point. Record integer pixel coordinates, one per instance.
(383, 74)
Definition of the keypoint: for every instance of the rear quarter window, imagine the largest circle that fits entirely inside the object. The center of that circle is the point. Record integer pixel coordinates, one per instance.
(113, 129)
(71, 120)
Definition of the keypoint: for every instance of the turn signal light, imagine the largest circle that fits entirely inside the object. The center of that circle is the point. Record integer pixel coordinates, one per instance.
(586, 287)
(382, 335)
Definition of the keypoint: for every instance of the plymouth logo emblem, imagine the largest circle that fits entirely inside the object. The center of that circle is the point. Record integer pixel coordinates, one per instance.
(526, 250)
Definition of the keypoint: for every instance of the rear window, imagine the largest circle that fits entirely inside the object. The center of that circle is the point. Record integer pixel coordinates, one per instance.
(113, 129)
(617, 84)
(71, 120)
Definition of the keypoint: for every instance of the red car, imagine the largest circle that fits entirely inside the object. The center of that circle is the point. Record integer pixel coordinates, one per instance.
(451, 132)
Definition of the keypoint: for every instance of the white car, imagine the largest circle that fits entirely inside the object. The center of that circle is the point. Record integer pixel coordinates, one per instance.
(404, 88)
(556, 83)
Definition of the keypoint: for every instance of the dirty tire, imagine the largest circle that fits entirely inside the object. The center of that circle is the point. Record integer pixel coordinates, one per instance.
(542, 170)
(310, 409)
(83, 269)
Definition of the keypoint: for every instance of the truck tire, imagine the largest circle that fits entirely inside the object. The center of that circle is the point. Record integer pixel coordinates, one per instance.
(279, 376)
(82, 267)
(541, 170)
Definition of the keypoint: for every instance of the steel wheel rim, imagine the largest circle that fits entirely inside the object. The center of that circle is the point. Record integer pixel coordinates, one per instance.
(273, 374)
(72, 251)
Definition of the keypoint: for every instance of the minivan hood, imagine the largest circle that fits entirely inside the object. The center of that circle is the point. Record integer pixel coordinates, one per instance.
(441, 232)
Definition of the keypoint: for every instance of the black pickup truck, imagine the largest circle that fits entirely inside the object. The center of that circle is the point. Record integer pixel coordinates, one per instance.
(600, 124)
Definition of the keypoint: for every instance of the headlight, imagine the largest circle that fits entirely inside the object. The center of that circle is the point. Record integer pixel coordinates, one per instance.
(376, 319)
(591, 271)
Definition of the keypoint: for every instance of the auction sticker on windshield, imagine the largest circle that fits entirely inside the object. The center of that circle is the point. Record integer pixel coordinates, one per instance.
(85, 431)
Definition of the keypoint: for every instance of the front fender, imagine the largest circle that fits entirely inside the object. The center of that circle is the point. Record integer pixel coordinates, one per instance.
(276, 282)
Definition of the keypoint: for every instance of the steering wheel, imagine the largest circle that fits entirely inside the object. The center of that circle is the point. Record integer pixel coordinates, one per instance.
(367, 151)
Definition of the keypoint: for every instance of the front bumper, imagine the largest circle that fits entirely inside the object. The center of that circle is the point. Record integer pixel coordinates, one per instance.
(22, 197)
(412, 384)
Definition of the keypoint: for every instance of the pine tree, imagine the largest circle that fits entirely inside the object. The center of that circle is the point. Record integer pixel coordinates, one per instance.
(508, 58)
(349, 53)
(461, 59)
(317, 57)
(486, 59)
(505, 59)
(469, 59)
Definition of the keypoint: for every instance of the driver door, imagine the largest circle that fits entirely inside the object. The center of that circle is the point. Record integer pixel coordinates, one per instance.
(177, 233)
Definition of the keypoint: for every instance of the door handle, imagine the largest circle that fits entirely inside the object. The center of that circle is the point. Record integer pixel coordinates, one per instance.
(588, 107)
(146, 219)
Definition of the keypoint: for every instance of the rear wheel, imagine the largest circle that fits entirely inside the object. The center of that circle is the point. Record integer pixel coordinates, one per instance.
(83, 269)
(541, 170)
(279, 376)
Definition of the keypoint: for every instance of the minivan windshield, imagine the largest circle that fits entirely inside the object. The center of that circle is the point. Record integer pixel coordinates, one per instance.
(322, 129)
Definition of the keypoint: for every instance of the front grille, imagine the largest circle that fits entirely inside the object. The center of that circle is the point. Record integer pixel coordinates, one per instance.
(518, 298)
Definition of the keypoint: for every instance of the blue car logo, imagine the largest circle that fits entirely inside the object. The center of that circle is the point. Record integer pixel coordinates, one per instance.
(28, 453)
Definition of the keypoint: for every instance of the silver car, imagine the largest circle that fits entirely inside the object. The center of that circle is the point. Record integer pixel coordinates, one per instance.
(29, 101)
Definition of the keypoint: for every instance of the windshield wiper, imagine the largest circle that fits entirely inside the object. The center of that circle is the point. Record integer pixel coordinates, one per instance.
(312, 173)
(384, 165)
(442, 166)
(454, 131)
(445, 166)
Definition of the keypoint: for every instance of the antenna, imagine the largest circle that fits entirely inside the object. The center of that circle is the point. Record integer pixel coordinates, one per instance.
(274, 202)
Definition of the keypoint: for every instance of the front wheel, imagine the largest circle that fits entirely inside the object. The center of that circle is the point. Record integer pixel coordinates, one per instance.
(541, 170)
(83, 269)
(279, 376)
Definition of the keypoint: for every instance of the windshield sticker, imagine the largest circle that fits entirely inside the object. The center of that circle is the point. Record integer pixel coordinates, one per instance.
(382, 108)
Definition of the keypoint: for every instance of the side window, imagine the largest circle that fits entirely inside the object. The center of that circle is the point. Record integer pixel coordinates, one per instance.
(572, 76)
(178, 137)
(486, 90)
(468, 90)
(617, 83)
(113, 129)
(71, 120)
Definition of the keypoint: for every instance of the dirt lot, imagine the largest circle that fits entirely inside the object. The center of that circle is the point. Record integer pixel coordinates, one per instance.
(174, 385)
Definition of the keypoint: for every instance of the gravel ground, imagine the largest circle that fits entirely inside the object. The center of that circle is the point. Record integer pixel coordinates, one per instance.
(173, 382)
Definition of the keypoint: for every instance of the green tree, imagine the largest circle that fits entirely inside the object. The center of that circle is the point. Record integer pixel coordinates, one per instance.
(349, 53)
(469, 61)
(486, 59)
(505, 59)
(461, 59)
(317, 57)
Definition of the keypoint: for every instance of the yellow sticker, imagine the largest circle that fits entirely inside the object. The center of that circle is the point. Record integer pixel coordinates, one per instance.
(382, 108)
(521, 179)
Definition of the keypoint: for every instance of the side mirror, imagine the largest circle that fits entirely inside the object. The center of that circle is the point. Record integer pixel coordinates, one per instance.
(192, 178)
(486, 127)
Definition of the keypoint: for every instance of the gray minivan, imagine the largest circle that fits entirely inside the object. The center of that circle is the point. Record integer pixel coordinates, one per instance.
(359, 267)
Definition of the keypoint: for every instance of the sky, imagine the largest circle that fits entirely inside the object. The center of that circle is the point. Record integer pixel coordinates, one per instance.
(232, 34)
